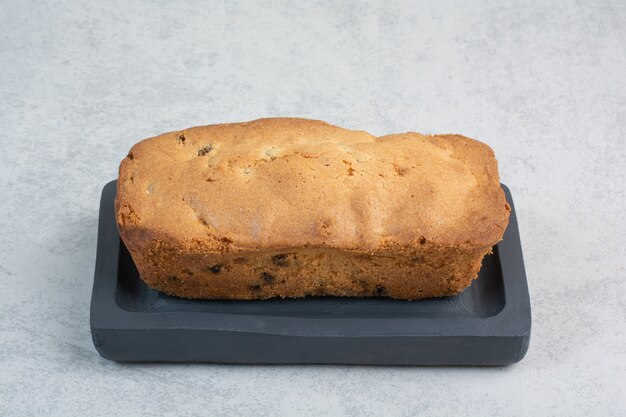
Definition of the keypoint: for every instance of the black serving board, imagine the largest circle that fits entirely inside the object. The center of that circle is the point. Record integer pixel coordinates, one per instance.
(488, 324)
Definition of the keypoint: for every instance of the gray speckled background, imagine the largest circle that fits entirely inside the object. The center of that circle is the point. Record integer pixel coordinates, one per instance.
(544, 83)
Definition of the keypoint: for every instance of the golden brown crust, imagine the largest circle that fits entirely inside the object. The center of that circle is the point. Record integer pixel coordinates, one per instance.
(276, 186)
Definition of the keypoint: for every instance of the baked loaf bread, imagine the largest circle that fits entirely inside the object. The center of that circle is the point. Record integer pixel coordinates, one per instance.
(293, 207)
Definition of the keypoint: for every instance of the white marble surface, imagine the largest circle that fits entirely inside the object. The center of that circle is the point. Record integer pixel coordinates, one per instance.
(543, 82)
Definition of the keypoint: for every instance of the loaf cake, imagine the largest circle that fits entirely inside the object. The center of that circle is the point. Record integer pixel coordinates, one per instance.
(287, 207)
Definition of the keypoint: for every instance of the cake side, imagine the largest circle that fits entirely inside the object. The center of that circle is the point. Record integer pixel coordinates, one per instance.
(335, 200)
(298, 272)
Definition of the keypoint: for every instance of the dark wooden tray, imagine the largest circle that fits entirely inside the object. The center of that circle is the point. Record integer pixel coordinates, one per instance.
(488, 324)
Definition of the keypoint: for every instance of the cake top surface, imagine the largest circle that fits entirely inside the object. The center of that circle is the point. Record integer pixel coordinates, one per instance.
(286, 182)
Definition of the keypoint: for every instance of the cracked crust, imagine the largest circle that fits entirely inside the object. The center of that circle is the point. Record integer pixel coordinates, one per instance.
(356, 214)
